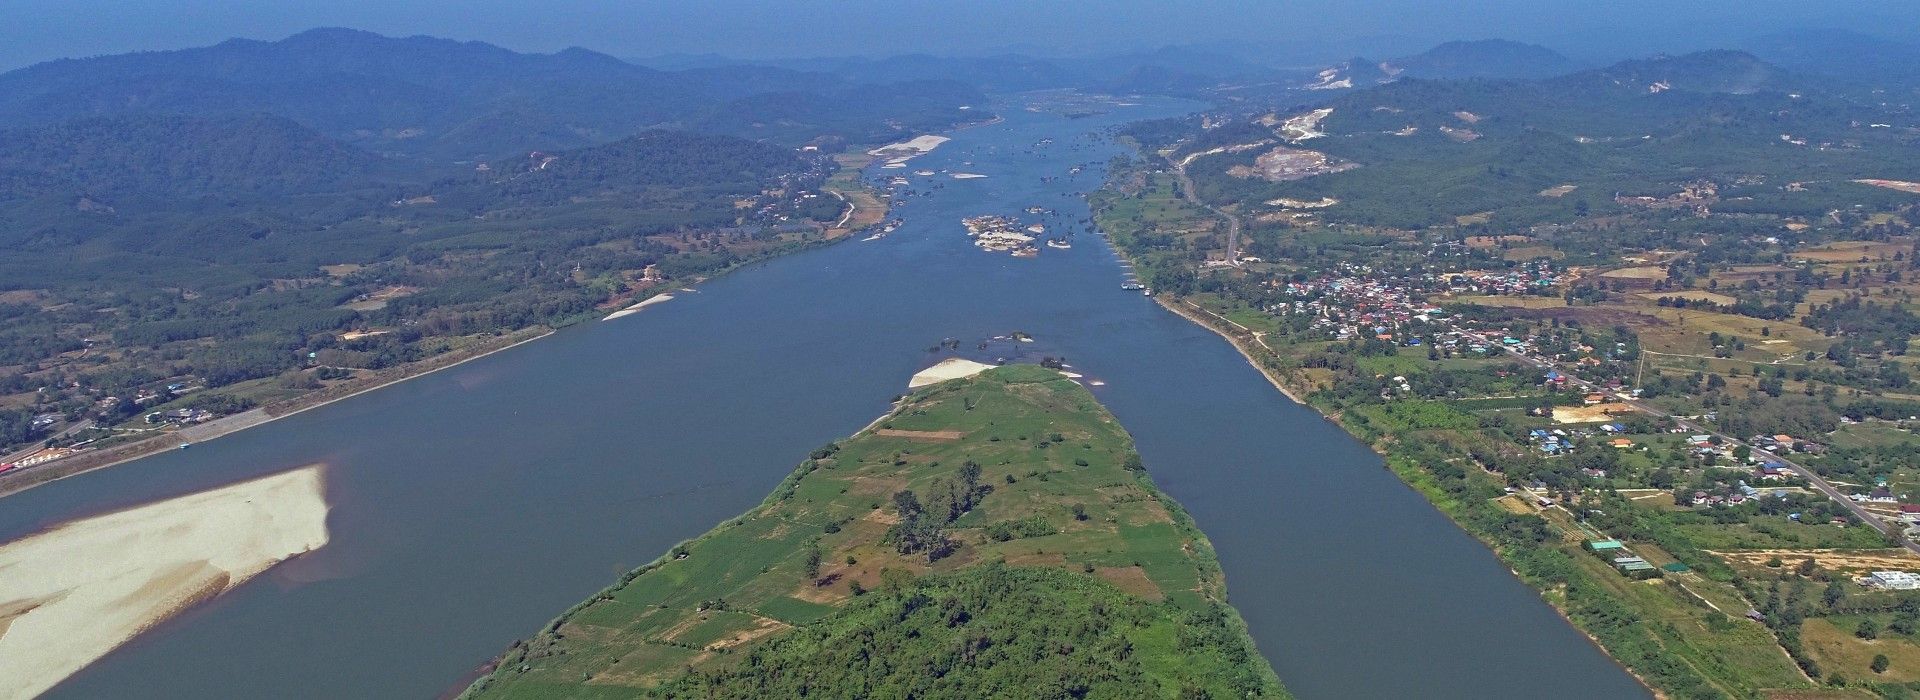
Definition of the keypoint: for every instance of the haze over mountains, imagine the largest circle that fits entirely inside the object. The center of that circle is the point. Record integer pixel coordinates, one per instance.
(421, 96)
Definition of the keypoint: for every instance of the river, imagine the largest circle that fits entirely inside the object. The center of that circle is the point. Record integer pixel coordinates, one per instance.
(472, 505)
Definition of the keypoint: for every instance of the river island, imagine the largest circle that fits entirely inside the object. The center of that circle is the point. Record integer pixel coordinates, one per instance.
(985, 522)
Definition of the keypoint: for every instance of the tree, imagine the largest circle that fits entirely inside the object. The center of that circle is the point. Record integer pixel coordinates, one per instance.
(1868, 629)
(813, 561)
(1880, 663)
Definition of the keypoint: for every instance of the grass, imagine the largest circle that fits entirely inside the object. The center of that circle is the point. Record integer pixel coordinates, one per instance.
(1777, 532)
(1051, 454)
(1832, 643)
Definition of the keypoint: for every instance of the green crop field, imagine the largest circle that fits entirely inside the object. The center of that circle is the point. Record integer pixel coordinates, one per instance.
(1012, 500)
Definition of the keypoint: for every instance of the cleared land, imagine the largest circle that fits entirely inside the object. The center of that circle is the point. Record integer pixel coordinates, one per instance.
(73, 593)
(1057, 520)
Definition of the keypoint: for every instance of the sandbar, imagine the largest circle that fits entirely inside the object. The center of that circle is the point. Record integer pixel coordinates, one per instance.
(644, 303)
(950, 368)
(918, 145)
(73, 593)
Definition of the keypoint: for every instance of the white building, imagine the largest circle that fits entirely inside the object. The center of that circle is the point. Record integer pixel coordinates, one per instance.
(1895, 580)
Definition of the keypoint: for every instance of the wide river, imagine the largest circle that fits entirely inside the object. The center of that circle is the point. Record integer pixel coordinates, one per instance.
(472, 505)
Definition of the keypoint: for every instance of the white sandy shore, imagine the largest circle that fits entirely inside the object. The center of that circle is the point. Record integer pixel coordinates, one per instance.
(73, 593)
(950, 368)
(649, 301)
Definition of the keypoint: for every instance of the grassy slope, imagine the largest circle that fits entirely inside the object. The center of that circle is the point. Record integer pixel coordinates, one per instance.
(1045, 446)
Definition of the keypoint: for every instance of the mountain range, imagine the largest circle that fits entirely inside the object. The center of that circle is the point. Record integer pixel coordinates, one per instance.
(448, 100)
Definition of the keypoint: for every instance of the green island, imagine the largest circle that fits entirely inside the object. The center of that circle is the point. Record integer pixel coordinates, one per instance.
(992, 536)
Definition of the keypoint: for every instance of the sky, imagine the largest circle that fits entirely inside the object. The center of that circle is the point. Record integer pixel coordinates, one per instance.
(39, 30)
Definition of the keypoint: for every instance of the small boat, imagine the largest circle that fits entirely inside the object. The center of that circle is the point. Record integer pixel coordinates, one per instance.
(185, 445)
(1131, 286)
(1056, 243)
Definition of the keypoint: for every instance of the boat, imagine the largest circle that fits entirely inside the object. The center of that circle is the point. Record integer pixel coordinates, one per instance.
(1057, 243)
(1131, 286)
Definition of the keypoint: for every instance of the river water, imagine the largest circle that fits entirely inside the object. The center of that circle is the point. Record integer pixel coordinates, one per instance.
(472, 505)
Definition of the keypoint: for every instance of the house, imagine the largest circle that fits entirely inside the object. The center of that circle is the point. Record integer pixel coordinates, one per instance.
(1593, 399)
(1893, 580)
(1635, 566)
(1621, 443)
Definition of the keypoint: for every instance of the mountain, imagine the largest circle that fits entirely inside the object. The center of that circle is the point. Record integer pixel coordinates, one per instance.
(1003, 73)
(180, 155)
(1844, 55)
(414, 96)
(1717, 71)
(648, 162)
(1490, 58)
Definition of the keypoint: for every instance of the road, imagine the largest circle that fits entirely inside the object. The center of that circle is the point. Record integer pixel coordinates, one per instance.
(1695, 428)
(1233, 222)
(37, 446)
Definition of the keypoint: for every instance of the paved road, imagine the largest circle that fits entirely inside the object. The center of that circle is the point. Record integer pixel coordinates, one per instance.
(37, 445)
(1690, 426)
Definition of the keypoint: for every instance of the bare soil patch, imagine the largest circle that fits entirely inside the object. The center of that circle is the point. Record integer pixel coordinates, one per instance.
(933, 435)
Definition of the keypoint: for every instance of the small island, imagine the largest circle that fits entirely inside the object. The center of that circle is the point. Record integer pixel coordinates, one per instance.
(987, 522)
(1002, 234)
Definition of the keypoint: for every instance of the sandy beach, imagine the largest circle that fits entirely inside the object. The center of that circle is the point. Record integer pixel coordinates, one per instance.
(950, 368)
(73, 593)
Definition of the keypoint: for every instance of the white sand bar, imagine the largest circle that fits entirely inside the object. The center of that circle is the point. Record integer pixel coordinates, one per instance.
(631, 310)
(72, 593)
(950, 368)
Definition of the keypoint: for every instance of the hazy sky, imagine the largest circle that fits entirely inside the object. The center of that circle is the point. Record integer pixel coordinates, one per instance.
(37, 30)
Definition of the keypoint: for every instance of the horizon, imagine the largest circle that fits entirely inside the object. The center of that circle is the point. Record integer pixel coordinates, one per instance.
(1304, 32)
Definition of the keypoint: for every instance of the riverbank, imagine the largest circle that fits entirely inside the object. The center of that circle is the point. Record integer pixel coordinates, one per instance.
(1408, 463)
(78, 590)
(1409, 472)
(1238, 338)
(864, 210)
(83, 462)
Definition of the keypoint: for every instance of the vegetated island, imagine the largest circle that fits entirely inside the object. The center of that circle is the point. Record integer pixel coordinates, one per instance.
(993, 536)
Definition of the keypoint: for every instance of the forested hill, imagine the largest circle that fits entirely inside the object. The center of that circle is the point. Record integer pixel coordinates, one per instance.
(651, 161)
(1491, 58)
(444, 99)
(1561, 149)
(177, 155)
